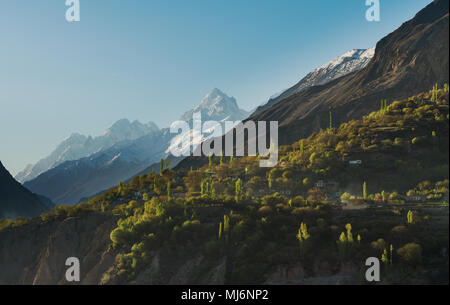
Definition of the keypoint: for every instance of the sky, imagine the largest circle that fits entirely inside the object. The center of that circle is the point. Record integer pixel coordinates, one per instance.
(151, 60)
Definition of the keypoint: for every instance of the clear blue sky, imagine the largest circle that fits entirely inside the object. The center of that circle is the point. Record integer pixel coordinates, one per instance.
(152, 60)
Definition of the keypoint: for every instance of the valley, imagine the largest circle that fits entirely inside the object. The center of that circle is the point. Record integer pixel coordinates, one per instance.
(361, 172)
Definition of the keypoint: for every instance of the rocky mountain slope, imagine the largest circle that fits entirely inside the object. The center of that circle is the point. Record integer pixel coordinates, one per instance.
(15, 200)
(353, 60)
(410, 60)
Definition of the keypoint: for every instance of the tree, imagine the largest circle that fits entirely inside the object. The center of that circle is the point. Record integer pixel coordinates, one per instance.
(145, 197)
(303, 237)
(120, 188)
(220, 230)
(270, 180)
(303, 234)
(239, 189)
(391, 249)
(210, 160)
(226, 226)
(168, 164)
(168, 190)
(161, 166)
(365, 190)
(348, 227)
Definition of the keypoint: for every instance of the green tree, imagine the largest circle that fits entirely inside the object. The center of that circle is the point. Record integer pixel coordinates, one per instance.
(348, 227)
(239, 189)
(120, 188)
(365, 190)
(220, 230)
(410, 217)
(161, 166)
(168, 190)
(270, 180)
(145, 197)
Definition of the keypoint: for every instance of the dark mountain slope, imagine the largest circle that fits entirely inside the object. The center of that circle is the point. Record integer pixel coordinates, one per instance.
(410, 60)
(15, 200)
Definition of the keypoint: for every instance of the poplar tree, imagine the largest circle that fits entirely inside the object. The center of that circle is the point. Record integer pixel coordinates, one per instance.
(168, 190)
(168, 164)
(239, 189)
(365, 190)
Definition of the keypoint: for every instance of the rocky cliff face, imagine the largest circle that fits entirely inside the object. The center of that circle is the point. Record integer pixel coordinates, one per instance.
(36, 254)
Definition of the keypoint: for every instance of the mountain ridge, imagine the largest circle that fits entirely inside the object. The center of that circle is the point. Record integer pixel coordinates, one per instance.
(72, 180)
(78, 146)
(408, 61)
(15, 200)
(351, 61)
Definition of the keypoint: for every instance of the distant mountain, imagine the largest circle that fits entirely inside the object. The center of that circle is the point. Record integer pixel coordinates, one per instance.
(15, 200)
(78, 146)
(351, 61)
(70, 181)
(217, 106)
(408, 61)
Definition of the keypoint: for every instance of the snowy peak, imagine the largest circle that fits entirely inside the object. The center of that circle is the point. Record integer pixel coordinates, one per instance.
(351, 61)
(347, 63)
(217, 106)
(125, 130)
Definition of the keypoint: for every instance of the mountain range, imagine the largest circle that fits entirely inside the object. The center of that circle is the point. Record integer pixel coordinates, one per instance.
(78, 146)
(409, 60)
(124, 150)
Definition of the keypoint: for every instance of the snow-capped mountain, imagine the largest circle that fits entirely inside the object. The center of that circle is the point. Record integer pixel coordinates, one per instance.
(78, 146)
(351, 61)
(217, 106)
(124, 150)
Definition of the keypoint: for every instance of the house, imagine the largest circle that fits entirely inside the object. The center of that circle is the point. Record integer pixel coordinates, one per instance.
(330, 186)
(321, 184)
(416, 198)
(355, 162)
(285, 192)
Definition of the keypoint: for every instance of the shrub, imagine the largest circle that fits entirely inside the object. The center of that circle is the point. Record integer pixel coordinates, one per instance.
(411, 253)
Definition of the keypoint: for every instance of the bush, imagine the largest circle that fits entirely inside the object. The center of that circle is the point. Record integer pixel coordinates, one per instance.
(411, 253)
